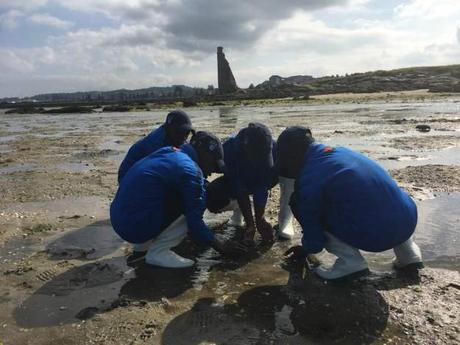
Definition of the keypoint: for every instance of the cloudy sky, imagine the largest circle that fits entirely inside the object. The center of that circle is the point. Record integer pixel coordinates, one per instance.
(75, 45)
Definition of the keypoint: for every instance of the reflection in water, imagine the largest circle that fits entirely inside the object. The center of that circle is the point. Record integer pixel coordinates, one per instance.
(438, 229)
(228, 117)
(437, 234)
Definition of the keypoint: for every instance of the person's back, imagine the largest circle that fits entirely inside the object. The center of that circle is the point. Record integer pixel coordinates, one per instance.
(142, 148)
(243, 173)
(357, 198)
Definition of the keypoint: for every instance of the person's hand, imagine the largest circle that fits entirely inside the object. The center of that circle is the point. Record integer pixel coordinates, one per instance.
(233, 248)
(296, 253)
(248, 237)
(265, 230)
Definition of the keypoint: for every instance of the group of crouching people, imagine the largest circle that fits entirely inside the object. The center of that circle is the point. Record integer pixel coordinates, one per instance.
(343, 201)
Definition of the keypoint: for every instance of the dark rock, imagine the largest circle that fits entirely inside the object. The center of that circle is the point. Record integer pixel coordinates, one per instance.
(189, 103)
(69, 110)
(423, 128)
(116, 108)
(87, 313)
(25, 110)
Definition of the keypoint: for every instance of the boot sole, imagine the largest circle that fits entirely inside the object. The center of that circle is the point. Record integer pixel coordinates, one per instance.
(348, 277)
(412, 266)
(174, 268)
(135, 260)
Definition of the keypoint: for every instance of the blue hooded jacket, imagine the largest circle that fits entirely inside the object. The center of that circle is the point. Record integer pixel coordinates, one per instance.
(142, 148)
(349, 195)
(139, 212)
(245, 177)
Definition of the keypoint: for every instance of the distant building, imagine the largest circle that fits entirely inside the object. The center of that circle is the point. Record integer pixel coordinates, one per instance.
(225, 78)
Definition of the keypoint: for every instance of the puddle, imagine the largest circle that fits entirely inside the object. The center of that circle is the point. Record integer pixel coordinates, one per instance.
(75, 167)
(283, 323)
(438, 229)
(8, 138)
(448, 156)
(210, 258)
(18, 168)
(437, 234)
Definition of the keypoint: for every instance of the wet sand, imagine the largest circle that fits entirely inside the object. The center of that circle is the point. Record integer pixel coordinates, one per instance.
(64, 278)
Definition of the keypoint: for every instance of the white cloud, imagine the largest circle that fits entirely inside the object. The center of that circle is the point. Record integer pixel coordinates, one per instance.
(22, 4)
(201, 25)
(427, 9)
(303, 34)
(48, 20)
(13, 62)
(10, 19)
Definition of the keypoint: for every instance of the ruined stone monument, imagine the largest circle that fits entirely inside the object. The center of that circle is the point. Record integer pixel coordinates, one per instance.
(226, 80)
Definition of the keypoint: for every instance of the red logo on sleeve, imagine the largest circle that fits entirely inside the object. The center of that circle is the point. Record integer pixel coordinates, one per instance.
(328, 149)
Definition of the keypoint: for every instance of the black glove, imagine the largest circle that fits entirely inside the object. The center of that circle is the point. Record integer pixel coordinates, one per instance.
(233, 249)
(296, 253)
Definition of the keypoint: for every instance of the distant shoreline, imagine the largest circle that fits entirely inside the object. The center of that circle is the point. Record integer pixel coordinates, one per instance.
(335, 98)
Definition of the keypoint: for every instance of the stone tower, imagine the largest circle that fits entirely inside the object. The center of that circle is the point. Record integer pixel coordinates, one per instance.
(225, 78)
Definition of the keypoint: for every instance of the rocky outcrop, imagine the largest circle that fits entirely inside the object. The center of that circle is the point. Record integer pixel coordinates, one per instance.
(226, 80)
(277, 81)
(436, 79)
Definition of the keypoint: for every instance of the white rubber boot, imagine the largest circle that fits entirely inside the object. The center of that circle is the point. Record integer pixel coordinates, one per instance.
(142, 247)
(237, 217)
(349, 264)
(160, 253)
(407, 254)
(285, 216)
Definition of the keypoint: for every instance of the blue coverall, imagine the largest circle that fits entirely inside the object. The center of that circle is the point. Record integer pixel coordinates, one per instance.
(158, 189)
(247, 177)
(352, 197)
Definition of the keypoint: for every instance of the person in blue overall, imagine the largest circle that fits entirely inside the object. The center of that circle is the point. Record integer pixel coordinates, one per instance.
(162, 198)
(174, 132)
(345, 202)
(249, 171)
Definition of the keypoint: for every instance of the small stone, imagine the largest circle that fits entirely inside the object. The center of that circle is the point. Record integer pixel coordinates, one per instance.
(423, 128)
(165, 301)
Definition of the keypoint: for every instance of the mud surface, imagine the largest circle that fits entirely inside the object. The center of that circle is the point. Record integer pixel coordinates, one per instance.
(64, 278)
